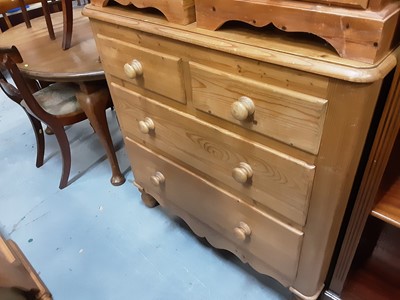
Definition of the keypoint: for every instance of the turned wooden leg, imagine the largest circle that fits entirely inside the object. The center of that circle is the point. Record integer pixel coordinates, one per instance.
(94, 100)
(149, 200)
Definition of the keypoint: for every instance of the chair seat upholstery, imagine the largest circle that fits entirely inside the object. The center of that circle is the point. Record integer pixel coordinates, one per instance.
(58, 99)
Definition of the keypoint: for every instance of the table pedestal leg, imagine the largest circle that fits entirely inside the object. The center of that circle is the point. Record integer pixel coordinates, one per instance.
(94, 100)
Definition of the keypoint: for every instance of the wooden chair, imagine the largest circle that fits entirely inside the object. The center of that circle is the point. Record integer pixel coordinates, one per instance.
(6, 5)
(68, 22)
(54, 105)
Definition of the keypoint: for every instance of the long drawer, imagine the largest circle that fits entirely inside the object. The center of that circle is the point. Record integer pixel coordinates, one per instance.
(254, 235)
(294, 118)
(274, 179)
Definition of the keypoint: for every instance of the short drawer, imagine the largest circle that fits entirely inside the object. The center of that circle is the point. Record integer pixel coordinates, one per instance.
(269, 245)
(274, 179)
(155, 71)
(291, 117)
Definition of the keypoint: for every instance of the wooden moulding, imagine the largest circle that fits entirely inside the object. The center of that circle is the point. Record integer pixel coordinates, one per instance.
(361, 35)
(176, 11)
(20, 272)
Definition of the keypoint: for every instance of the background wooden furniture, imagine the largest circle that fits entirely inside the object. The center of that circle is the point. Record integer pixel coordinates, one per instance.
(6, 5)
(33, 12)
(55, 105)
(378, 195)
(16, 271)
(252, 138)
(45, 60)
(176, 11)
(68, 20)
(361, 30)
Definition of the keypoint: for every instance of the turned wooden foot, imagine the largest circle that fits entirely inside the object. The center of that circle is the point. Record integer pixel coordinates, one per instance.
(49, 131)
(149, 200)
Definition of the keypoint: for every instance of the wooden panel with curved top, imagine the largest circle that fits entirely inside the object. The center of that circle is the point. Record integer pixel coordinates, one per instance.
(361, 35)
(176, 11)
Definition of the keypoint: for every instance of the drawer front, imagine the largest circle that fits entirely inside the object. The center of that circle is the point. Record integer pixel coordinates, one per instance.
(273, 179)
(291, 117)
(276, 244)
(151, 70)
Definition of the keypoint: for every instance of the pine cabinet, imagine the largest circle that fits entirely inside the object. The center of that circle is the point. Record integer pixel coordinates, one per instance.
(253, 139)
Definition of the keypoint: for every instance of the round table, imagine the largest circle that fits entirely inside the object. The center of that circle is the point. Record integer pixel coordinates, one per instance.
(45, 60)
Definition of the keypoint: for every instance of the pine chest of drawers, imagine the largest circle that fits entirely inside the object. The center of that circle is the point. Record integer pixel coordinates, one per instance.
(250, 138)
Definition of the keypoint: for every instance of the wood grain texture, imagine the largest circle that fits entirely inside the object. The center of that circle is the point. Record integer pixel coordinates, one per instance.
(44, 59)
(16, 271)
(346, 3)
(378, 277)
(308, 83)
(345, 131)
(162, 73)
(388, 207)
(371, 183)
(294, 118)
(279, 251)
(356, 34)
(210, 147)
(176, 11)
(292, 52)
(280, 182)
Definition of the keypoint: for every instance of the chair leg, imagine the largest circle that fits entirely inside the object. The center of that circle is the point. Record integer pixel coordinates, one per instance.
(40, 145)
(63, 143)
(47, 17)
(67, 23)
(25, 14)
(7, 20)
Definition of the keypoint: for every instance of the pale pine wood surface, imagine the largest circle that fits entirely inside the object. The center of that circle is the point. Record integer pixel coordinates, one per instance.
(16, 271)
(280, 251)
(310, 56)
(388, 207)
(280, 182)
(297, 122)
(362, 35)
(316, 185)
(162, 73)
(176, 11)
(355, 3)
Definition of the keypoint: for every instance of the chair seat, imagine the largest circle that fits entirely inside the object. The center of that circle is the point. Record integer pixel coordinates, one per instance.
(58, 99)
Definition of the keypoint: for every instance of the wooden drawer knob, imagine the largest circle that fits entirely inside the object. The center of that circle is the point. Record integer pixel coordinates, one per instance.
(146, 125)
(242, 173)
(242, 231)
(157, 179)
(133, 69)
(243, 108)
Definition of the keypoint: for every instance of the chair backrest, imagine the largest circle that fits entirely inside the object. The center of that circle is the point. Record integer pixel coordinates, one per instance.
(8, 88)
(8, 59)
(6, 5)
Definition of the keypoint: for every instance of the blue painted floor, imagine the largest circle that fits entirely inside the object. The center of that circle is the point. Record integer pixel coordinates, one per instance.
(96, 241)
